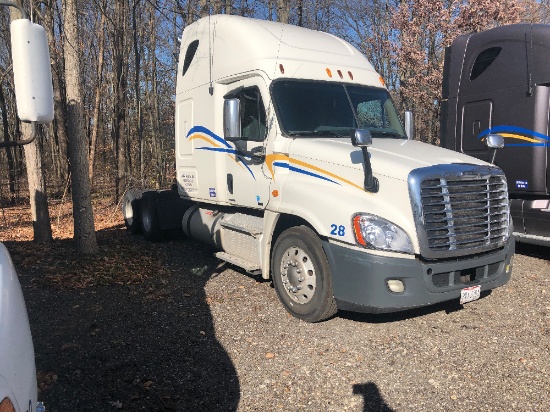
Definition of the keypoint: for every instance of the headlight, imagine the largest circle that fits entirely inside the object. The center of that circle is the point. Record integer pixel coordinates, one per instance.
(373, 231)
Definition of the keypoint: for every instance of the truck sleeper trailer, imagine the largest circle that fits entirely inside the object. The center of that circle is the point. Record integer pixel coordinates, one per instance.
(498, 82)
(292, 161)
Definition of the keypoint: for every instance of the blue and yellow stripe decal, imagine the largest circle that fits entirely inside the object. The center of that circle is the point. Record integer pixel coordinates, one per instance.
(280, 160)
(216, 144)
(517, 136)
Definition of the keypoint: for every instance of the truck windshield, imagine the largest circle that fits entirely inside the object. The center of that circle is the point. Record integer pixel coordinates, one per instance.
(309, 108)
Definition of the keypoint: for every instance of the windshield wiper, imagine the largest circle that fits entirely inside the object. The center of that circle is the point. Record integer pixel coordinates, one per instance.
(301, 133)
(325, 132)
(394, 135)
(316, 133)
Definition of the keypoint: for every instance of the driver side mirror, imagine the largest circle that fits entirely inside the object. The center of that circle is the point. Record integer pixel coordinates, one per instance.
(361, 138)
(232, 120)
(494, 141)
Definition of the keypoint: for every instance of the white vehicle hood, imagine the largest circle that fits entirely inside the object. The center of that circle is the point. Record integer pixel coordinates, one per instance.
(394, 158)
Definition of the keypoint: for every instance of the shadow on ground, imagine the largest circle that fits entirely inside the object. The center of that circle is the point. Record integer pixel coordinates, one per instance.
(134, 343)
(448, 307)
(372, 399)
(536, 251)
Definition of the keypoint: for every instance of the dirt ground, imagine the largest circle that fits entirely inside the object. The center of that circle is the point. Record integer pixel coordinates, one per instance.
(166, 326)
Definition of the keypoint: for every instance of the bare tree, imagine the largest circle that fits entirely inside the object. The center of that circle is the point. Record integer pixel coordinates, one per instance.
(9, 152)
(119, 103)
(283, 11)
(423, 30)
(84, 232)
(204, 8)
(59, 158)
(97, 103)
(369, 26)
(37, 183)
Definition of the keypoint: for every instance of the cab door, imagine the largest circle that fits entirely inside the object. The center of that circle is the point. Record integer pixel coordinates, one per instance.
(246, 183)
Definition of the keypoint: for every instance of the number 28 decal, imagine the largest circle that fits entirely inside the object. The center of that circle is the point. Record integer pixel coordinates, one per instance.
(338, 230)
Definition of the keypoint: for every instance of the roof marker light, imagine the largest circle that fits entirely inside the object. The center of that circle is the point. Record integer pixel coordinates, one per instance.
(350, 74)
(382, 81)
(329, 73)
(281, 68)
(340, 74)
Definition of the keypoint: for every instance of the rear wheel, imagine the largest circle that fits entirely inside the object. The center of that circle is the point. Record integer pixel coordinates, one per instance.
(149, 219)
(301, 275)
(131, 210)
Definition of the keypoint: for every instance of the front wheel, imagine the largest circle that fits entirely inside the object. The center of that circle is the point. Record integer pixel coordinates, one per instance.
(301, 275)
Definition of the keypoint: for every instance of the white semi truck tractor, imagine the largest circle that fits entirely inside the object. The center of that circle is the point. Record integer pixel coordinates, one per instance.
(293, 163)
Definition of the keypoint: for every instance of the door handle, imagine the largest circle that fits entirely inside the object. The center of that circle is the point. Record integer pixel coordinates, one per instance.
(257, 154)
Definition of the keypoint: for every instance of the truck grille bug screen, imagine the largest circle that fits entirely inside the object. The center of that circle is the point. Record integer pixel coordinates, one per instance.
(461, 210)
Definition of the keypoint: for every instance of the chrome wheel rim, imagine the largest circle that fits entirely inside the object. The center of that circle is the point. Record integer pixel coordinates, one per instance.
(298, 275)
(128, 211)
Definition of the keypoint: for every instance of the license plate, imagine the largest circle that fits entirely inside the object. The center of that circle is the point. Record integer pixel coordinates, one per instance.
(470, 294)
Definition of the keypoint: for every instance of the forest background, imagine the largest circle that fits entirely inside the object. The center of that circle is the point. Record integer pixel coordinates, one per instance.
(118, 61)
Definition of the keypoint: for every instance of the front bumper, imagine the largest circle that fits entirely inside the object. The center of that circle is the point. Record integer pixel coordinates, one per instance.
(360, 279)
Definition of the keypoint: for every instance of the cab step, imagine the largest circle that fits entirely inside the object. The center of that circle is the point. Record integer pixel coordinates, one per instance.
(252, 268)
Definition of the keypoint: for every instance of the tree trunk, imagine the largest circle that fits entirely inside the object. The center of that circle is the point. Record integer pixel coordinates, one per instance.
(97, 102)
(283, 11)
(84, 232)
(119, 104)
(9, 153)
(137, 87)
(60, 120)
(37, 183)
(204, 8)
(37, 188)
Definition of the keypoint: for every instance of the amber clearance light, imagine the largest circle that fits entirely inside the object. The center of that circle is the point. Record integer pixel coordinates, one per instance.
(357, 228)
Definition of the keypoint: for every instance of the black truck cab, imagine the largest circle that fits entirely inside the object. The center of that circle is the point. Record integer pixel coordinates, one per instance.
(498, 82)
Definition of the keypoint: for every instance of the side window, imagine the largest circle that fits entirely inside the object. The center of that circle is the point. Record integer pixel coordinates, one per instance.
(253, 121)
(189, 54)
(483, 61)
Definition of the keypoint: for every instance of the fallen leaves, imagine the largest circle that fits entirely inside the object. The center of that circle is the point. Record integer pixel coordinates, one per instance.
(45, 380)
(121, 260)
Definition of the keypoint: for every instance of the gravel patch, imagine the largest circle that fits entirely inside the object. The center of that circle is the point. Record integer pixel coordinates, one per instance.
(204, 336)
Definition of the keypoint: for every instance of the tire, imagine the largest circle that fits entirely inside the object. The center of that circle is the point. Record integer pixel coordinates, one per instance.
(149, 220)
(301, 275)
(131, 210)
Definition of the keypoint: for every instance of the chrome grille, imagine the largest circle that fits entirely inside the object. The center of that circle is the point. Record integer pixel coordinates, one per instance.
(462, 211)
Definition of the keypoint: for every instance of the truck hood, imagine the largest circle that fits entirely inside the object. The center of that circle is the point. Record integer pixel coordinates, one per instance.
(393, 158)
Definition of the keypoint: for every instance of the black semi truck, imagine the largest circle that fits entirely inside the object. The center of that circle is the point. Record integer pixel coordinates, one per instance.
(498, 82)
